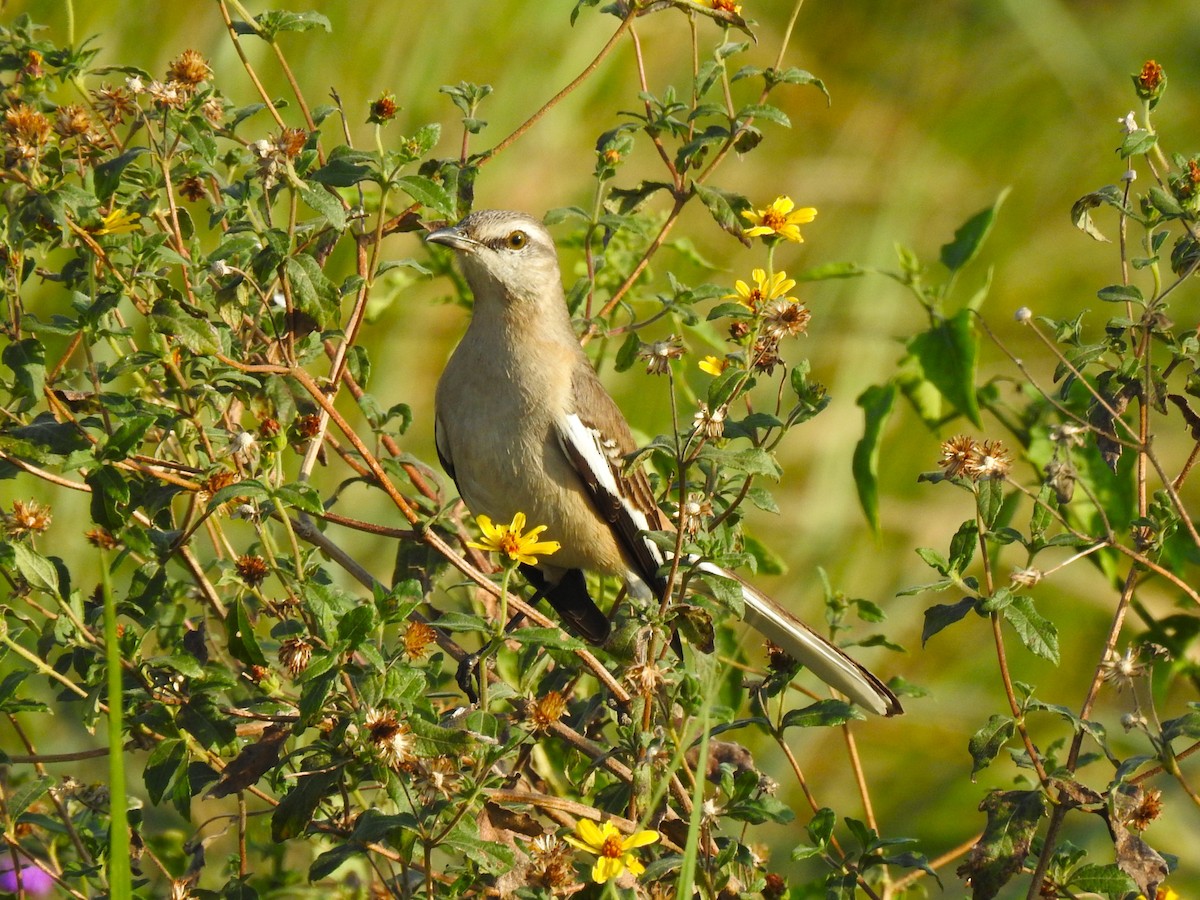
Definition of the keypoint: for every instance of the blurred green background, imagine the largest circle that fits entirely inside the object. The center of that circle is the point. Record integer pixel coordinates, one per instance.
(936, 107)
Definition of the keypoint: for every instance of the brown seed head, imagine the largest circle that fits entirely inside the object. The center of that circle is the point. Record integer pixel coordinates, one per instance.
(26, 125)
(99, 537)
(27, 517)
(295, 654)
(252, 569)
(114, 103)
(189, 69)
(547, 710)
(417, 638)
(72, 121)
(957, 454)
(309, 426)
(217, 480)
(390, 739)
(549, 864)
(1149, 809)
(291, 141)
(192, 188)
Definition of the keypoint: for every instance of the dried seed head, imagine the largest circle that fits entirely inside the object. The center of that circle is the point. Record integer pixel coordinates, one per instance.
(417, 638)
(1148, 809)
(956, 455)
(99, 537)
(390, 739)
(252, 569)
(549, 863)
(291, 141)
(658, 355)
(710, 423)
(295, 654)
(547, 710)
(27, 517)
(189, 69)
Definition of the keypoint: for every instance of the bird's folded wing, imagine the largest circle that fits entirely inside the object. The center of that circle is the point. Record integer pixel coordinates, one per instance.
(596, 442)
(596, 445)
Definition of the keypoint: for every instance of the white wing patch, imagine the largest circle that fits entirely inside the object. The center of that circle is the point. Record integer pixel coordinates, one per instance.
(598, 461)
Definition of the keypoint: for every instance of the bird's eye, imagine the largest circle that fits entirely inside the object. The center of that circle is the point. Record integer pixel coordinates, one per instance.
(516, 240)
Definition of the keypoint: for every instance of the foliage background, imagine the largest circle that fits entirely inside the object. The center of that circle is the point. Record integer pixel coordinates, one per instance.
(935, 108)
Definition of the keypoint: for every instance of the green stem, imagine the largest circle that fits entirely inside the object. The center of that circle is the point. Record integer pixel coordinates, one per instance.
(120, 882)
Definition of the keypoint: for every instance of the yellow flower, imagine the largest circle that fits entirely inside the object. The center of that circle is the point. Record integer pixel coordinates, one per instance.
(511, 540)
(765, 288)
(713, 365)
(613, 852)
(119, 221)
(781, 218)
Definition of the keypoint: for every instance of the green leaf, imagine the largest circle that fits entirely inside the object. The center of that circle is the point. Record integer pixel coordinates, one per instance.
(356, 625)
(126, 439)
(820, 828)
(197, 335)
(110, 497)
(35, 568)
(1137, 142)
(943, 615)
(166, 764)
(1106, 880)
(963, 546)
(345, 168)
(428, 193)
(970, 237)
(23, 796)
(1081, 210)
(948, 355)
(270, 24)
(243, 644)
(27, 360)
(295, 811)
(1121, 293)
(326, 205)
(831, 270)
(821, 713)
(986, 743)
(877, 403)
(108, 174)
(1038, 633)
(1012, 822)
(725, 207)
(312, 292)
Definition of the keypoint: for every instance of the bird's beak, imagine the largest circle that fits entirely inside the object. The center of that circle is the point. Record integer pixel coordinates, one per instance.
(452, 237)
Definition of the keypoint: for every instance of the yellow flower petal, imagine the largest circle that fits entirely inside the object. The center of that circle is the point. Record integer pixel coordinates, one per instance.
(606, 869)
(640, 839)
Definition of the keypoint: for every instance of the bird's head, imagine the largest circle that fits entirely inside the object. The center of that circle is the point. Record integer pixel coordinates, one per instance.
(504, 254)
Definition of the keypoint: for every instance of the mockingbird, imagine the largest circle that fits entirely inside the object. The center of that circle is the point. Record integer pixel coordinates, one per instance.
(524, 425)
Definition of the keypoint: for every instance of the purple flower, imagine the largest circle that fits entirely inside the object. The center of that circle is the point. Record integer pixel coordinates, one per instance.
(35, 882)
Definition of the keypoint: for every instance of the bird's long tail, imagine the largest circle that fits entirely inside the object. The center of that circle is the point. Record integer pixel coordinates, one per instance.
(828, 662)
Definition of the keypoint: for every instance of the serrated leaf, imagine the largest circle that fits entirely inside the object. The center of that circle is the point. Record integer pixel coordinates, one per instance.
(948, 356)
(986, 743)
(110, 497)
(275, 21)
(295, 811)
(428, 193)
(725, 207)
(27, 360)
(877, 403)
(1037, 633)
(326, 205)
(35, 568)
(970, 236)
(166, 763)
(1012, 821)
(126, 439)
